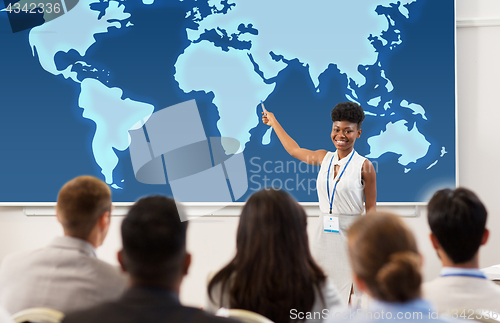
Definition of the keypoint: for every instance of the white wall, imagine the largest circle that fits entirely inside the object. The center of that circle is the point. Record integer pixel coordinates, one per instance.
(478, 53)
(212, 240)
(478, 9)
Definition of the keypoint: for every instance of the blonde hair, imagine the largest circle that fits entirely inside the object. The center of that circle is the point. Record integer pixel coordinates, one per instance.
(384, 254)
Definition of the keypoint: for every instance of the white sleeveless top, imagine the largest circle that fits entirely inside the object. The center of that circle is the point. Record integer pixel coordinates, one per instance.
(349, 194)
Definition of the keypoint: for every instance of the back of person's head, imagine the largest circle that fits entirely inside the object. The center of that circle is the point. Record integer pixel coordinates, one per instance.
(273, 270)
(154, 241)
(348, 111)
(384, 255)
(457, 219)
(81, 203)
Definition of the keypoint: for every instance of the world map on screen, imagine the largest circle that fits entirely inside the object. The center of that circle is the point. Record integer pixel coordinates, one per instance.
(110, 64)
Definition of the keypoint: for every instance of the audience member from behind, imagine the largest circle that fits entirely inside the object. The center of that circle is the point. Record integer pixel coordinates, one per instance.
(154, 254)
(386, 266)
(66, 275)
(273, 272)
(457, 219)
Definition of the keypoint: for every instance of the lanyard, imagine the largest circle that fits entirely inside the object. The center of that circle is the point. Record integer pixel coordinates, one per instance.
(466, 275)
(336, 182)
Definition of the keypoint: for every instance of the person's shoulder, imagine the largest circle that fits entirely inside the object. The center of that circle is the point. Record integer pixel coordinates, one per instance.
(23, 254)
(103, 266)
(196, 315)
(323, 155)
(20, 259)
(492, 288)
(5, 316)
(368, 171)
(14, 257)
(106, 273)
(440, 284)
(493, 285)
(367, 164)
(360, 161)
(358, 156)
(446, 290)
(437, 285)
(121, 312)
(99, 313)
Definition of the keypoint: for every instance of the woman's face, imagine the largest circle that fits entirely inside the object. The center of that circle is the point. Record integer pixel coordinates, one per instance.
(344, 134)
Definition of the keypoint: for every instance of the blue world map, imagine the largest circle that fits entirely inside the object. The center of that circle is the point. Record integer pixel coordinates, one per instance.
(74, 86)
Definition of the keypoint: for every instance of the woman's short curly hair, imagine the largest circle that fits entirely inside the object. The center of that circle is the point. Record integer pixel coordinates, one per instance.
(348, 111)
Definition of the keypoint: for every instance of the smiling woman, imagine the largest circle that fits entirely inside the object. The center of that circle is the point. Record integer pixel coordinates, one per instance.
(345, 180)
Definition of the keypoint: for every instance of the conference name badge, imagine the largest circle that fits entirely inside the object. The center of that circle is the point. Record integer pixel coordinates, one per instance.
(330, 223)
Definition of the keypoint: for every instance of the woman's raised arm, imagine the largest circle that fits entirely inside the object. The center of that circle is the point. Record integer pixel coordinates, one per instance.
(312, 157)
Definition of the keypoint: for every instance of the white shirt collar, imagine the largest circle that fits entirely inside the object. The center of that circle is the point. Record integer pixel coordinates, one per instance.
(342, 161)
(455, 271)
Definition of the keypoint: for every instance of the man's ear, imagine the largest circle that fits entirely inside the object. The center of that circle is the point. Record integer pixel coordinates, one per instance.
(57, 214)
(105, 220)
(486, 235)
(121, 261)
(60, 220)
(186, 264)
(359, 132)
(435, 242)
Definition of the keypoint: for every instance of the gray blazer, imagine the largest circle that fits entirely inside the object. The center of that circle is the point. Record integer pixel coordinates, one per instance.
(65, 276)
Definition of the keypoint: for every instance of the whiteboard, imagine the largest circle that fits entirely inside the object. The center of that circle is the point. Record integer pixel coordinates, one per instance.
(75, 83)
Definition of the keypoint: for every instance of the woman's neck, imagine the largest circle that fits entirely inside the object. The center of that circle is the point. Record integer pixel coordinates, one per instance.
(343, 153)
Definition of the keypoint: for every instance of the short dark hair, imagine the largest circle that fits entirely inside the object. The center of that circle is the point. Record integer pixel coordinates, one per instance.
(458, 219)
(348, 111)
(80, 203)
(154, 240)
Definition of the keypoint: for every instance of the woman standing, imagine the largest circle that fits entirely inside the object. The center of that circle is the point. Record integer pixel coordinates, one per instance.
(345, 181)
